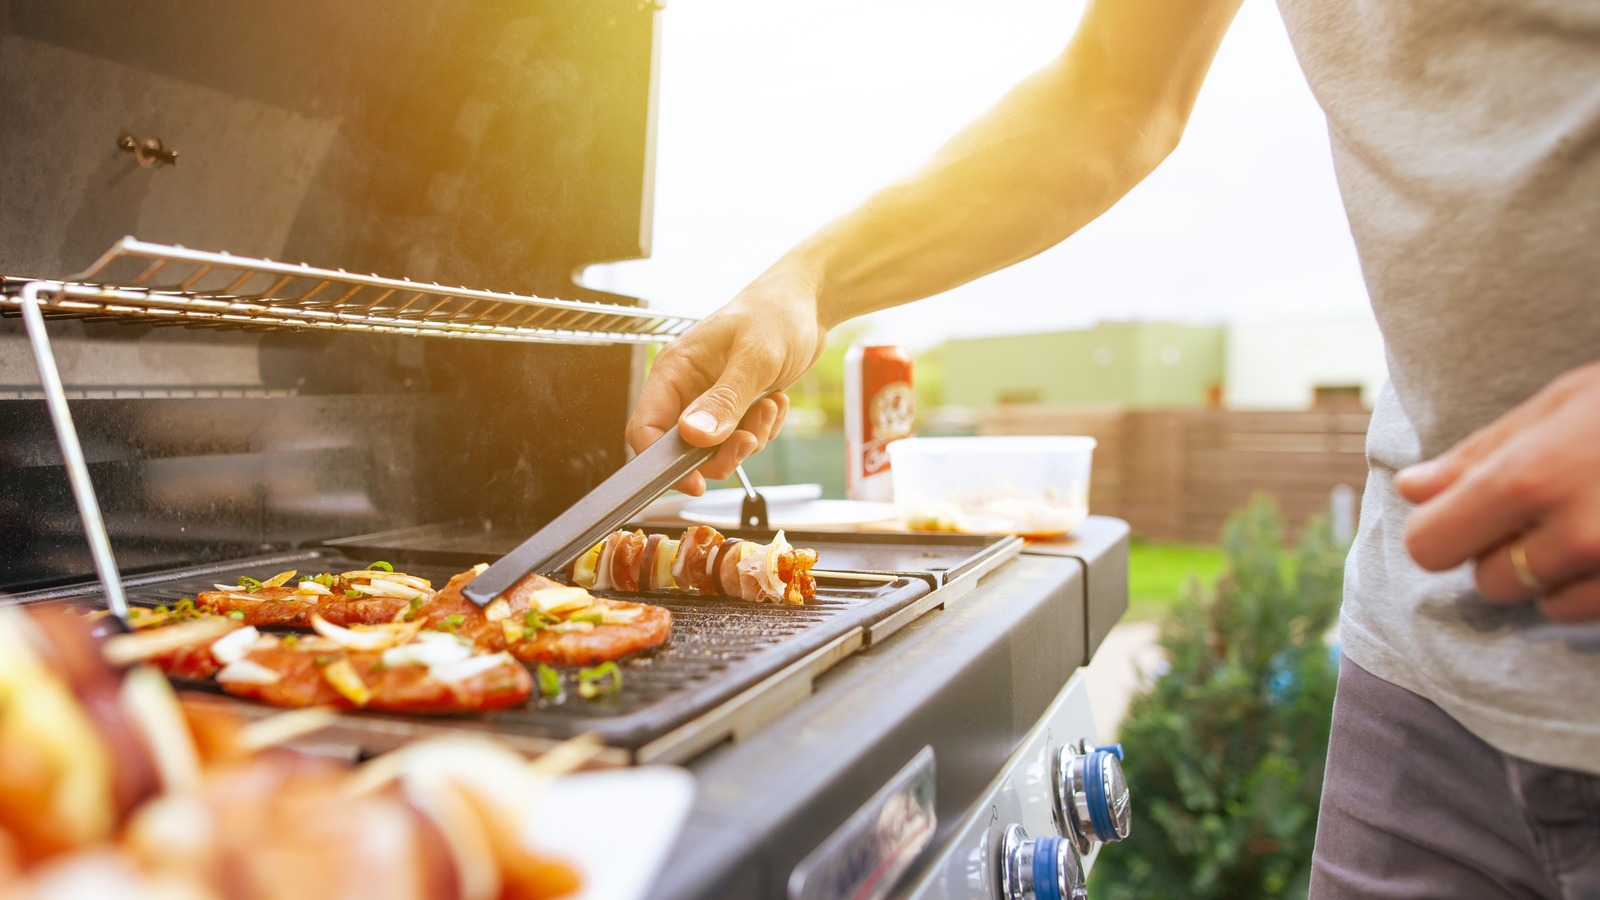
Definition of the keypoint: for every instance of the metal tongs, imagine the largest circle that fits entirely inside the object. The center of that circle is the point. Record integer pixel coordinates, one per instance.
(616, 500)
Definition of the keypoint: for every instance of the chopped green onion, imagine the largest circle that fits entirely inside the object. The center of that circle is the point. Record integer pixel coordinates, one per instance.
(592, 682)
(326, 579)
(380, 565)
(352, 593)
(594, 618)
(235, 613)
(249, 584)
(451, 623)
(416, 601)
(549, 681)
(538, 619)
(291, 640)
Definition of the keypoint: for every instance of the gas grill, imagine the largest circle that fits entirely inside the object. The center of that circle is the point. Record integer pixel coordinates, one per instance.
(196, 415)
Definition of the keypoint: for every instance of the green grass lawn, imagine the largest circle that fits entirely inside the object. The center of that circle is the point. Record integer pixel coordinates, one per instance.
(1158, 573)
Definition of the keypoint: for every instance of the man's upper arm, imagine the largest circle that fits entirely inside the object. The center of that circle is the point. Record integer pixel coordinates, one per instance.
(1149, 54)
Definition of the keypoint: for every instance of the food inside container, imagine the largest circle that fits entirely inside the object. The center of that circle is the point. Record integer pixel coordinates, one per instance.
(1033, 486)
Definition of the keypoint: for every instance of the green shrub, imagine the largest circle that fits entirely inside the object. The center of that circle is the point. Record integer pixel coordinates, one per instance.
(1226, 747)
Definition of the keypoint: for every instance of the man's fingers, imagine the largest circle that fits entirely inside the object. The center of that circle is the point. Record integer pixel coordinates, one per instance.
(735, 450)
(1426, 480)
(1493, 502)
(693, 484)
(1576, 602)
(715, 413)
(759, 421)
(660, 400)
(1555, 552)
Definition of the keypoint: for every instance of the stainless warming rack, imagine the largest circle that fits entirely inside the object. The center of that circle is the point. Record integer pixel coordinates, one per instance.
(156, 283)
(137, 281)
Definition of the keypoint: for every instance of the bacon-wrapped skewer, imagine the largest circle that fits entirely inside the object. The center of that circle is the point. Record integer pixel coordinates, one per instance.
(703, 561)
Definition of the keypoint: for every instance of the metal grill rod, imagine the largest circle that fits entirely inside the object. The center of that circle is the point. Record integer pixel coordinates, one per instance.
(168, 285)
(55, 398)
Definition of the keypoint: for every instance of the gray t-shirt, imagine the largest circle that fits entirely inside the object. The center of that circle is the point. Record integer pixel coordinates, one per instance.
(1466, 138)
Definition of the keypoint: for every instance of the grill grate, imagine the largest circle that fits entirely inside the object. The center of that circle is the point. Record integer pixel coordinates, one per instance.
(719, 649)
(161, 284)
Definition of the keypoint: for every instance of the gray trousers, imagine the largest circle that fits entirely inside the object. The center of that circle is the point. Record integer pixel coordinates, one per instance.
(1414, 806)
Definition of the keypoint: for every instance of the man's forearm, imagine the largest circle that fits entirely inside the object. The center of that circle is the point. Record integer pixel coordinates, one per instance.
(1053, 154)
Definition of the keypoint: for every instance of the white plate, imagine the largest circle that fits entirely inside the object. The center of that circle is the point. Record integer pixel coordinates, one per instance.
(809, 514)
(728, 500)
(580, 815)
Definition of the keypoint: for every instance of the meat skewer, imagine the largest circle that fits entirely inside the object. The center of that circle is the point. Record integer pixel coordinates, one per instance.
(702, 561)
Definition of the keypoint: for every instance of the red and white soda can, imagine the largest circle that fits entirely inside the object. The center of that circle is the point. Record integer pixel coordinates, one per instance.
(878, 408)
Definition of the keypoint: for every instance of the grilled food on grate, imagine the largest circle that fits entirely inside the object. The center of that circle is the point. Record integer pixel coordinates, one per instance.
(702, 561)
(363, 597)
(109, 787)
(436, 652)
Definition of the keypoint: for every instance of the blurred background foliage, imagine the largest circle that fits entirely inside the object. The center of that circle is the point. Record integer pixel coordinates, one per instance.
(1236, 728)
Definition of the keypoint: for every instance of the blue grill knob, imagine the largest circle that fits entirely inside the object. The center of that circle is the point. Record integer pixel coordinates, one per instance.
(1047, 868)
(1092, 803)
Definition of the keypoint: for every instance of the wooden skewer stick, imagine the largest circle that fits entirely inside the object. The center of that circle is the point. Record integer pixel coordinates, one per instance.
(875, 577)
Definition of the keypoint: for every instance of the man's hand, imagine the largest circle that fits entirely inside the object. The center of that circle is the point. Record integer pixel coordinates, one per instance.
(1522, 493)
(708, 381)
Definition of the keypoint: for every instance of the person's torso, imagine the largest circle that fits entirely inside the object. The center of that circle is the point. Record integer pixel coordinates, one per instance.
(1466, 139)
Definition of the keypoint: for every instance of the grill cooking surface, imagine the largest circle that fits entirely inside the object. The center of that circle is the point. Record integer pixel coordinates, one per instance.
(936, 557)
(719, 649)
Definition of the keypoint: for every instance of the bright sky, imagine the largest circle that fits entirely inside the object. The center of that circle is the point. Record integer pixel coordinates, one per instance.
(776, 117)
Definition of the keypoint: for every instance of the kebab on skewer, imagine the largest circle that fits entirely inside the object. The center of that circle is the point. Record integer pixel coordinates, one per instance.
(702, 561)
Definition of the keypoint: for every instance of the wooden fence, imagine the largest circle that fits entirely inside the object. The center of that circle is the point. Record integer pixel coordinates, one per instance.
(1177, 474)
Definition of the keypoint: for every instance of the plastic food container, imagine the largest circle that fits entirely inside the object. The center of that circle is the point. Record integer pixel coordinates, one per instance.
(1037, 487)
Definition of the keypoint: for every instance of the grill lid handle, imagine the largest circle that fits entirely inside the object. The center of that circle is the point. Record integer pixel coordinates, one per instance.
(617, 499)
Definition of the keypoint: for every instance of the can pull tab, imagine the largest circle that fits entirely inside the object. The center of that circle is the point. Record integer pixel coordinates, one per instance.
(753, 511)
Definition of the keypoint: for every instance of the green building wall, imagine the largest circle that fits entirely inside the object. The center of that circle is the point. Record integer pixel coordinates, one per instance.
(1121, 364)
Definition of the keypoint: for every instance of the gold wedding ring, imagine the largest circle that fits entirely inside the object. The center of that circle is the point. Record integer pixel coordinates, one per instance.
(1519, 565)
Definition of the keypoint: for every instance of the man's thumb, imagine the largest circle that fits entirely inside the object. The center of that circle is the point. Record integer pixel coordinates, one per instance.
(713, 415)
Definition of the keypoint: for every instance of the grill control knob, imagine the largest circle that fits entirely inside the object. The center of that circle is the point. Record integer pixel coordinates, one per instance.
(1091, 795)
(1046, 868)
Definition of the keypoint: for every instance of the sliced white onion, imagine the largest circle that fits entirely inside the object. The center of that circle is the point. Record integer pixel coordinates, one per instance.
(311, 587)
(620, 615)
(383, 587)
(678, 576)
(228, 587)
(497, 610)
(231, 648)
(564, 627)
(373, 637)
(247, 672)
(480, 568)
(602, 569)
(768, 575)
(124, 649)
(453, 672)
(153, 710)
(560, 599)
(428, 652)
